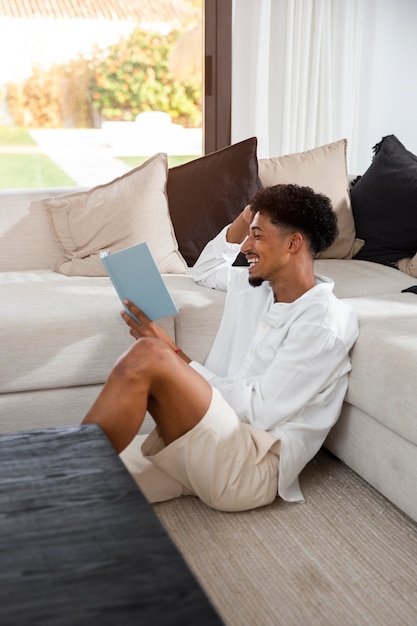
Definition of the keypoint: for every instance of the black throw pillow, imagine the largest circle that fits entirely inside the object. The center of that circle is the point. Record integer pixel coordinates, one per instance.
(206, 194)
(384, 204)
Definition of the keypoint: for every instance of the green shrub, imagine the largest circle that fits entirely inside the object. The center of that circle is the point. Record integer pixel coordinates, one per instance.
(54, 98)
(132, 76)
(120, 82)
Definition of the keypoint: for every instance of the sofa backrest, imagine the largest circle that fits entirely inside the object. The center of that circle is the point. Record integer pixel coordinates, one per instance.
(27, 238)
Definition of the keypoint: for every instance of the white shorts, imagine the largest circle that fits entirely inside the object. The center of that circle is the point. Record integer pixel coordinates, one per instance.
(229, 465)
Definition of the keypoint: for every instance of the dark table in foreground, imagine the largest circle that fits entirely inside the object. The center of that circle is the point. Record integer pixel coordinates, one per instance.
(79, 544)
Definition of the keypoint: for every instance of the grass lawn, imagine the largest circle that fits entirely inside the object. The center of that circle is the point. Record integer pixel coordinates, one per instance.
(19, 171)
(134, 161)
(22, 164)
(12, 136)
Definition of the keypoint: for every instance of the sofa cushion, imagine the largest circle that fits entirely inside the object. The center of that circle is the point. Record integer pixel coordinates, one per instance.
(324, 169)
(201, 310)
(73, 333)
(128, 210)
(384, 367)
(408, 265)
(384, 203)
(362, 278)
(206, 194)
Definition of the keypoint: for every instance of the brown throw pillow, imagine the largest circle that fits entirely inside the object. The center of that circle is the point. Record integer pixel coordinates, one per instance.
(206, 194)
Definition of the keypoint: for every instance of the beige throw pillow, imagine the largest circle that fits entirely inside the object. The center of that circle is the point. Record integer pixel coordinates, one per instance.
(128, 210)
(408, 265)
(324, 169)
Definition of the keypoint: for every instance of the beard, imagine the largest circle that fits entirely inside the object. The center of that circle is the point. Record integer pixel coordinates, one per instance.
(255, 281)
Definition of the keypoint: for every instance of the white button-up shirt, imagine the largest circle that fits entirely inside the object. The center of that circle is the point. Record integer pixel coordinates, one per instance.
(283, 367)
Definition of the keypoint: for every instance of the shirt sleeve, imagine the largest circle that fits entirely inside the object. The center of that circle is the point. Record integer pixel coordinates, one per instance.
(212, 268)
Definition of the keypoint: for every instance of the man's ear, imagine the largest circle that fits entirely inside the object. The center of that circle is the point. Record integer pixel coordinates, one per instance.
(295, 242)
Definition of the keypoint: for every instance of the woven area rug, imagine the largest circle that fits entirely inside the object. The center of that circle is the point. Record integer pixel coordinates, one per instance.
(345, 557)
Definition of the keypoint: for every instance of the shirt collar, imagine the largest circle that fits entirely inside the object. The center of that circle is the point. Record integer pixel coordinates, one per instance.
(276, 309)
(323, 283)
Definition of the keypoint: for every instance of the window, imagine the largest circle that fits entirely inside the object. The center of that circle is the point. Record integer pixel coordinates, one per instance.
(61, 98)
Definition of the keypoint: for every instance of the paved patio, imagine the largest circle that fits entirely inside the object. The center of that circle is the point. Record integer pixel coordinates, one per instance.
(89, 156)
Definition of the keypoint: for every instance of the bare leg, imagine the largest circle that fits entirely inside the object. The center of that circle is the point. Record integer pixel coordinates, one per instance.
(150, 376)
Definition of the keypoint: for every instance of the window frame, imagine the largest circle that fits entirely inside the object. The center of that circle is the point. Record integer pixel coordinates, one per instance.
(217, 75)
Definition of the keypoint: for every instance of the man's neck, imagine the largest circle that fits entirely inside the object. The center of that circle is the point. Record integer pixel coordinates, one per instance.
(293, 287)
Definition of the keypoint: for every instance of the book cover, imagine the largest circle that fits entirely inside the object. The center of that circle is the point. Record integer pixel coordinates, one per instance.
(136, 277)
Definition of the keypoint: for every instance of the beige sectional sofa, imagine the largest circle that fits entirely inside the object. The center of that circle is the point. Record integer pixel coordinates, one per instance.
(60, 335)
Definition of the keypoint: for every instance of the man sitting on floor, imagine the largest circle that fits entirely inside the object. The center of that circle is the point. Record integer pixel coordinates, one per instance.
(238, 430)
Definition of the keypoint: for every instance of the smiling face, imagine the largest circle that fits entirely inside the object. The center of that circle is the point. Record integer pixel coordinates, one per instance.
(268, 249)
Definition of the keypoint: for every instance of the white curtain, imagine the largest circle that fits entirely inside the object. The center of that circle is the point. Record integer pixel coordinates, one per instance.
(297, 72)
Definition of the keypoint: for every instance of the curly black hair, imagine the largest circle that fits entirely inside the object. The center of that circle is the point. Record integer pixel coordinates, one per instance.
(302, 209)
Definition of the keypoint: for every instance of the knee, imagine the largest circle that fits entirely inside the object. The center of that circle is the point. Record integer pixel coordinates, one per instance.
(143, 355)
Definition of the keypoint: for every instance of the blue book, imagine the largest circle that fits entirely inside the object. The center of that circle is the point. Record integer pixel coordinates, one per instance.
(136, 277)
